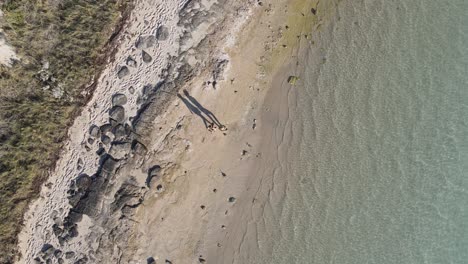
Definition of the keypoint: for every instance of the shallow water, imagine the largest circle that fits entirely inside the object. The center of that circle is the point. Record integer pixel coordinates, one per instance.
(377, 158)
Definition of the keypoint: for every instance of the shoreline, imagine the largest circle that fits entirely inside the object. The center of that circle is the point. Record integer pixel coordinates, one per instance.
(59, 185)
(156, 168)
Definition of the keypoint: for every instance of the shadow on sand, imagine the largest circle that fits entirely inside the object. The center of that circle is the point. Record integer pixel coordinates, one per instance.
(209, 119)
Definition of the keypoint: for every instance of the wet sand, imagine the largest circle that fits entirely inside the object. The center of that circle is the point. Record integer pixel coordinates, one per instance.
(141, 177)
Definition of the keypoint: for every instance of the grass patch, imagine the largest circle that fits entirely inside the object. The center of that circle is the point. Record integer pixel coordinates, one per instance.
(61, 44)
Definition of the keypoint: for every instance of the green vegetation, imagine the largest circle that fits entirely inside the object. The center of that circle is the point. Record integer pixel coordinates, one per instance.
(62, 44)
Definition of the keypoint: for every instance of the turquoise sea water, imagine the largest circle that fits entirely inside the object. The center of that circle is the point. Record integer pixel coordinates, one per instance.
(377, 163)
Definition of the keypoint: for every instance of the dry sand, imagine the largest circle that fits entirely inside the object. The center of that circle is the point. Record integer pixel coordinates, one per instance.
(170, 189)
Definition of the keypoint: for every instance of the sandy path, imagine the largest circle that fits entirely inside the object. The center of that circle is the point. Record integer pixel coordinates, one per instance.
(141, 177)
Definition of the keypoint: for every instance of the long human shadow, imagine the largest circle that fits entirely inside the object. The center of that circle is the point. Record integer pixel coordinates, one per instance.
(194, 110)
(207, 112)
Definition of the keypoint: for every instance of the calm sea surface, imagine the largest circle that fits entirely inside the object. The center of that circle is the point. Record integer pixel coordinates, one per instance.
(378, 158)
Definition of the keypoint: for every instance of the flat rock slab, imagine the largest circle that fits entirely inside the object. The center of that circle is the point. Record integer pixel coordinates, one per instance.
(117, 113)
(119, 99)
(145, 41)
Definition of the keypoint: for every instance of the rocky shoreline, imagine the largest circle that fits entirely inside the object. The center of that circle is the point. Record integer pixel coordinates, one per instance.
(86, 208)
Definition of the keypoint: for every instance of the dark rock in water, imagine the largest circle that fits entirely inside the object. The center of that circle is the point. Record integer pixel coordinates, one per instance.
(117, 113)
(131, 62)
(146, 57)
(162, 33)
(119, 99)
(122, 72)
(145, 41)
(150, 260)
(94, 131)
(152, 172)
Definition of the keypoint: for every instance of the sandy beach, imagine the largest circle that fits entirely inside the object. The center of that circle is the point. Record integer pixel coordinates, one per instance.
(171, 160)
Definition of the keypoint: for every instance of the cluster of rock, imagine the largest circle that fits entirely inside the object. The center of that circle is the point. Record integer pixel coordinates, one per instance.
(108, 195)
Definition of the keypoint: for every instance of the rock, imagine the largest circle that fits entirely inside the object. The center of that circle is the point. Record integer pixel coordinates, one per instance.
(162, 33)
(105, 128)
(83, 181)
(138, 148)
(117, 113)
(58, 253)
(94, 131)
(47, 250)
(105, 140)
(293, 79)
(119, 150)
(131, 90)
(314, 11)
(79, 164)
(122, 72)
(119, 99)
(145, 41)
(131, 62)
(146, 57)
(119, 132)
(129, 194)
(69, 254)
(232, 199)
(101, 151)
(150, 260)
(152, 172)
(108, 163)
(159, 188)
(57, 230)
(218, 72)
(82, 260)
(73, 217)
